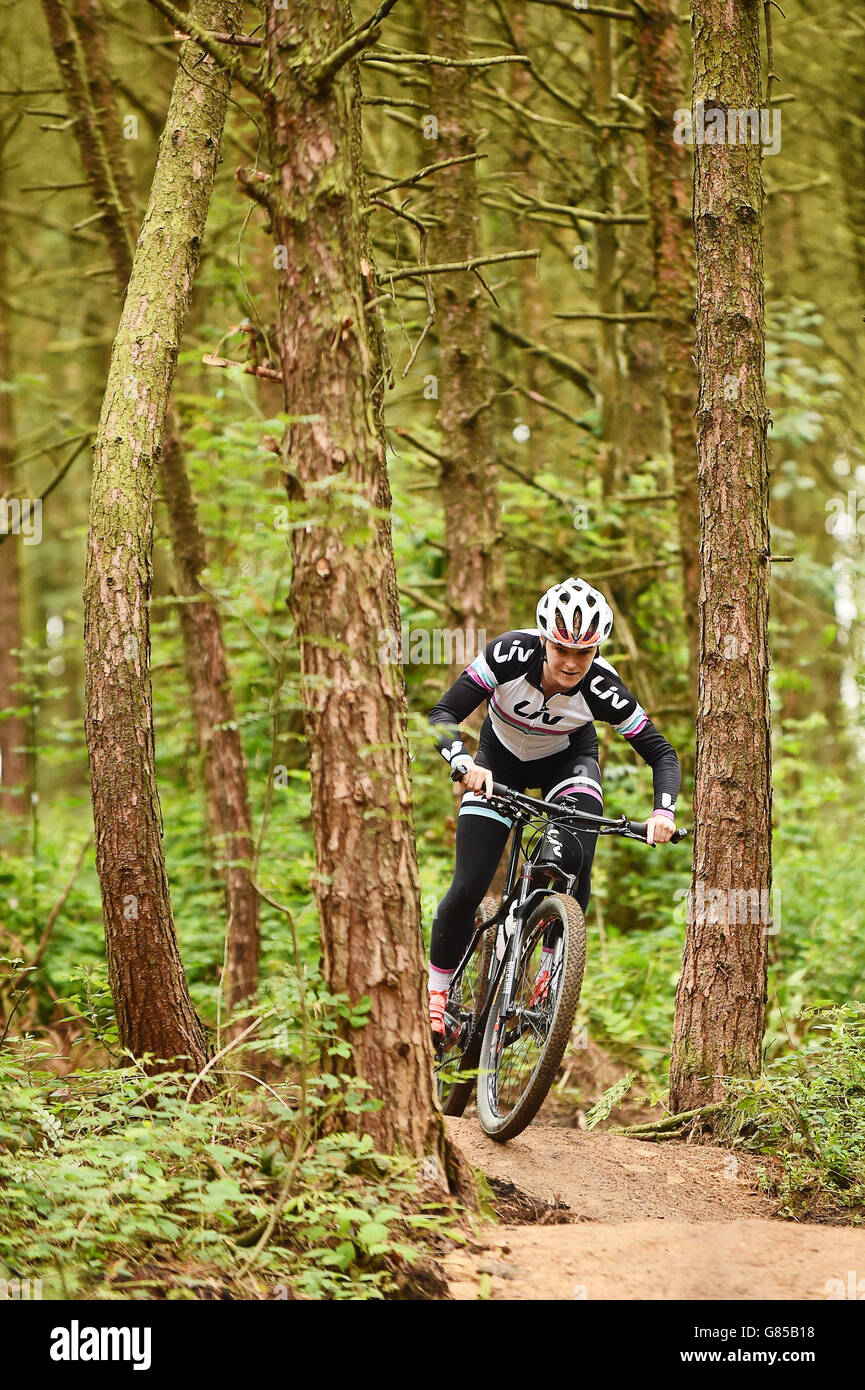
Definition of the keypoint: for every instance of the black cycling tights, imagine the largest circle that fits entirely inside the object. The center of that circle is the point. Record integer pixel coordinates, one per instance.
(483, 833)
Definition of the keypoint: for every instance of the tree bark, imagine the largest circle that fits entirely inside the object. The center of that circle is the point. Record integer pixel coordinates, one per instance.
(344, 595)
(14, 739)
(75, 31)
(720, 1001)
(475, 591)
(223, 760)
(154, 1011)
(78, 39)
(611, 366)
(663, 88)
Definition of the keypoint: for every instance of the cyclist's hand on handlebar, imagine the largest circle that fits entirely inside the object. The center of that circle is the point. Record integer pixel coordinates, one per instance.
(478, 779)
(659, 829)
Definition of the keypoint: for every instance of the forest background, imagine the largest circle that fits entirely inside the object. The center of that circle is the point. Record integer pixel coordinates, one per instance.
(584, 483)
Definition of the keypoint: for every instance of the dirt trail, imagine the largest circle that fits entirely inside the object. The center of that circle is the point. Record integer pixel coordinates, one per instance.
(648, 1221)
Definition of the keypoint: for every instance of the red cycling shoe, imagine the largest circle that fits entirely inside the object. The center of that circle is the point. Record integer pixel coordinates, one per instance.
(438, 999)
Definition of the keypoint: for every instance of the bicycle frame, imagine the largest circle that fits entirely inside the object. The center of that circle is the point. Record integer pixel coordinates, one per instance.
(517, 892)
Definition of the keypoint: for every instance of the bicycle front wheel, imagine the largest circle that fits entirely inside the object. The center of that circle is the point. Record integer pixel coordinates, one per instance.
(520, 1053)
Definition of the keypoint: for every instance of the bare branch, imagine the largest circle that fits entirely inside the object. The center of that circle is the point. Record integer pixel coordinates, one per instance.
(410, 271)
(270, 373)
(239, 40)
(328, 67)
(426, 171)
(577, 10)
(545, 403)
(563, 364)
(434, 60)
(228, 61)
(375, 18)
(604, 219)
(611, 318)
(394, 101)
(58, 478)
(255, 183)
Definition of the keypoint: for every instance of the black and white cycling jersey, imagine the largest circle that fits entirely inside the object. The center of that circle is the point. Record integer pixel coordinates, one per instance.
(532, 725)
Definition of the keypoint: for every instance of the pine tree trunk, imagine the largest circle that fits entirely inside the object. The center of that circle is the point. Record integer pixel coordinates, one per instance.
(474, 557)
(720, 1001)
(78, 39)
(14, 760)
(344, 595)
(154, 1011)
(532, 312)
(610, 355)
(669, 169)
(220, 746)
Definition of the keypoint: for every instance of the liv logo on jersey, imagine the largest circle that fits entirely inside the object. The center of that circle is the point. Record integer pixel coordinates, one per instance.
(522, 707)
(531, 725)
(617, 701)
(516, 650)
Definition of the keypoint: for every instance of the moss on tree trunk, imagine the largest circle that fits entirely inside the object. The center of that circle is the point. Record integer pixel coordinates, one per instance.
(78, 39)
(154, 1011)
(720, 1001)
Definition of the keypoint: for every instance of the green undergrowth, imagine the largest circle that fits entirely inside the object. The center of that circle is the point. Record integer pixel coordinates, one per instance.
(808, 1111)
(116, 1185)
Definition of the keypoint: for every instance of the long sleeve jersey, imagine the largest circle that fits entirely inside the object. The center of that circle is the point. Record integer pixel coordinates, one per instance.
(532, 725)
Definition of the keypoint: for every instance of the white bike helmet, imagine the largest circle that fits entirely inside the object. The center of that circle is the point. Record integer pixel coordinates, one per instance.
(574, 615)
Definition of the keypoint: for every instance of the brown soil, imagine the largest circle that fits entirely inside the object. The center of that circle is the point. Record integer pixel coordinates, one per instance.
(648, 1221)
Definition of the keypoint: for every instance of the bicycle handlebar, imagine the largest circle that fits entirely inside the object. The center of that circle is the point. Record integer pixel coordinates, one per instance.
(606, 825)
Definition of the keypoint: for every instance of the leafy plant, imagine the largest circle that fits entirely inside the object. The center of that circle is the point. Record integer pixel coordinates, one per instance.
(609, 1100)
(808, 1109)
(114, 1184)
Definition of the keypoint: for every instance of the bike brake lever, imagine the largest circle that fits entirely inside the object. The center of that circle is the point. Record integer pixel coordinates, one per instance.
(495, 799)
(636, 830)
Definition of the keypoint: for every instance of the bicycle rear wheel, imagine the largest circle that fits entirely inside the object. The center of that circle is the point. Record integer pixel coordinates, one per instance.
(460, 1048)
(520, 1055)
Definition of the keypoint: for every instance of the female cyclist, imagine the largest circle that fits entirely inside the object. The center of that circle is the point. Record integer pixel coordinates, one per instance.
(544, 687)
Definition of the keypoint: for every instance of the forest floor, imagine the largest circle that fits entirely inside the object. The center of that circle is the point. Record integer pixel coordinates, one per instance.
(668, 1220)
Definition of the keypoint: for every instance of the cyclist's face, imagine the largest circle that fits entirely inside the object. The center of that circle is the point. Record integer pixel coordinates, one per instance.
(567, 665)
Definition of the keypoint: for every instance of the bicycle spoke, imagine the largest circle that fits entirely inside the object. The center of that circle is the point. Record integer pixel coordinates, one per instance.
(453, 1053)
(523, 1038)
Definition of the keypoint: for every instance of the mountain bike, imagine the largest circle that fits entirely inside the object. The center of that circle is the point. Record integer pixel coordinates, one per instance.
(513, 997)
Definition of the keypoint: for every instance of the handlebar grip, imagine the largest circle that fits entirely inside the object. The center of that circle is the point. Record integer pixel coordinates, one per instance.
(638, 828)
